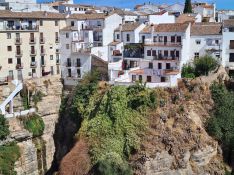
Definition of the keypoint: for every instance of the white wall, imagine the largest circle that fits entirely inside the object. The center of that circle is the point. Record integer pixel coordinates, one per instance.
(160, 19)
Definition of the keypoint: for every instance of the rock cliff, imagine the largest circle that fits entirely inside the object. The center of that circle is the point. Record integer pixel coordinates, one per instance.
(36, 153)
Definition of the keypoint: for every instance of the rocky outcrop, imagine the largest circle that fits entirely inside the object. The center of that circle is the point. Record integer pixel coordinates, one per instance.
(36, 153)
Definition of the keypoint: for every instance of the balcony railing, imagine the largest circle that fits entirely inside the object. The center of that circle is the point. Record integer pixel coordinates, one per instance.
(58, 61)
(18, 41)
(162, 43)
(166, 58)
(33, 52)
(33, 64)
(19, 53)
(68, 64)
(81, 50)
(32, 40)
(77, 64)
(42, 40)
(43, 63)
(20, 27)
(19, 66)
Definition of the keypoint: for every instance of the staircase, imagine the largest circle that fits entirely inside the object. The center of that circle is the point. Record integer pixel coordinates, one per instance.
(9, 100)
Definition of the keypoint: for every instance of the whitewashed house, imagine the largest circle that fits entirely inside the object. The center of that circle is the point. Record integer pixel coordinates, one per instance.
(161, 18)
(158, 61)
(127, 16)
(208, 11)
(206, 38)
(228, 45)
(222, 15)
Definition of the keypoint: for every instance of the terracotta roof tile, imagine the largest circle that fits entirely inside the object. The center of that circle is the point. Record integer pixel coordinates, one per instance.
(128, 27)
(228, 23)
(35, 14)
(89, 16)
(185, 18)
(173, 27)
(206, 29)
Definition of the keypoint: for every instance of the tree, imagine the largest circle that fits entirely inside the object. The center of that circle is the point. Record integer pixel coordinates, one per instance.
(188, 6)
(204, 65)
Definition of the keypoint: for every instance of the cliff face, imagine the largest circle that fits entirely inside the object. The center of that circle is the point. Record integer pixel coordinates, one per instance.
(36, 153)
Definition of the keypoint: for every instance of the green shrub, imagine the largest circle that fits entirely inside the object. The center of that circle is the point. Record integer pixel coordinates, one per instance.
(204, 65)
(4, 129)
(34, 124)
(37, 97)
(9, 154)
(188, 71)
(221, 124)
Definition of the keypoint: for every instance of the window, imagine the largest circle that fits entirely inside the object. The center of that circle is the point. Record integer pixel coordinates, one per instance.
(155, 39)
(78, 62)
(168, 66)
(172, 39)
(67, 35)
(163, 79)
(58, 70)
(231, 58)
(153, 52)
(216, 42)
(75, 9)
(231, 44)
(128, 37)
(51, 57)
(78, 73)
(10, 60)
(52, 70)
(9, 48)
(148, 52)
(17, 35)
(159, 65)
(56, 23)
(133, 77)
(69, 72)
(178, 39)
(140, 78)
(117, 36)
(67, 46)
(160, 39)
(41, 23)
(8, 35)
(177, 54)
(148, 78)
(166, 53)
(196, 55)
(72, 23)
(150, 65)
(198, 42)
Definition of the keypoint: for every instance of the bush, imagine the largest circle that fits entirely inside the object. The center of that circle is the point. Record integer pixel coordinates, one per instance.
(188, 71)
(221, 124)
(4, 129)
(204, 65)
(9, 154)
(34, 124)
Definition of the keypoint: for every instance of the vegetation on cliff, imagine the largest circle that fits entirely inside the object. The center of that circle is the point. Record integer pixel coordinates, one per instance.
(9, 154)
(4, 129)
(221, 124)
(200, 66)
(113, 122)
(34, 124)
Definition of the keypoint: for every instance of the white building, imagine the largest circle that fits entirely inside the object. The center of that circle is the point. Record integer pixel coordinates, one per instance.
(85, 38)
(208, 11)
(228, 45)
(159, 60)
(206, 38)
(161, 18)
(128, 16)
(222, 15)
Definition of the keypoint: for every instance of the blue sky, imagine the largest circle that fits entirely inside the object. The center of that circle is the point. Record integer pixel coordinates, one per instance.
(221, 4)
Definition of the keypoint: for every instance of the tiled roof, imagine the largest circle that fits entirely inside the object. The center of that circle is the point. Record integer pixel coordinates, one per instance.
(31, 15)
(114, 43)
(173, 27)
(228, 23)
(206, 29)
(128, 27)
(78, 5)
(159, 13)
(185, 18)
(138, 71)
(89, 16)
(124, 12)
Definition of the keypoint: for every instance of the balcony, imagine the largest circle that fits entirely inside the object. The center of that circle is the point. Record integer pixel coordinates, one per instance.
(57, 51)
(19, 66)
(81, 50)
(19, 53)
(43, 63)
(33, 52)
(19, 27)
(18, 41)
(32, 40)
(133, 51)
(162, 43)
(42, 40)
(43, 52)
(77, 64)
(172, 71)
(165, 58)
(117, 53)
(33, 64)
